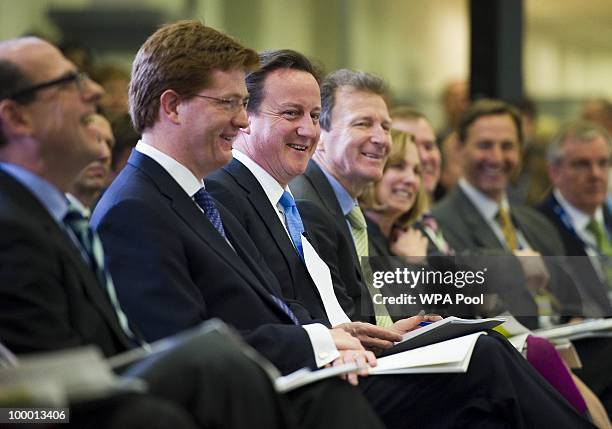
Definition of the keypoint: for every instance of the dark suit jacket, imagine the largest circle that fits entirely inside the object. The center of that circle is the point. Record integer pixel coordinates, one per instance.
(49, 298)
(337, 248)
(173, 269)
(466, 231)
(239, 191)
(593, 291)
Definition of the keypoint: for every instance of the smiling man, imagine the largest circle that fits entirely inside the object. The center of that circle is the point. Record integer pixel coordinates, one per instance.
(178, 256)
(477, 217)
(92, 180)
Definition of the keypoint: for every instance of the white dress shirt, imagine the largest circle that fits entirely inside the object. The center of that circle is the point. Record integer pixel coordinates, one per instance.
(320, 337)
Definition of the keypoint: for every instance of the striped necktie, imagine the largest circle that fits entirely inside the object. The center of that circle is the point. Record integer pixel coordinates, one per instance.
(360, 236)
(92, 247)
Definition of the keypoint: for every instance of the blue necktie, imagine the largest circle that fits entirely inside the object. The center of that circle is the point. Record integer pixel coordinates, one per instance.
(207, 204)
(91, 248)
(294, 221)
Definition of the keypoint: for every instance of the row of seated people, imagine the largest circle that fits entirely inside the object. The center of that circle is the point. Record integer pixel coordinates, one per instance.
(176, 256)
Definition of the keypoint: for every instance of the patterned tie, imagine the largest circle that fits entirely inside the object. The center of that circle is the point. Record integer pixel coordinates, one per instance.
(504, 220)
(360, 235)
(91, 248)
(207, 204)
(604, 247)
(294, 221)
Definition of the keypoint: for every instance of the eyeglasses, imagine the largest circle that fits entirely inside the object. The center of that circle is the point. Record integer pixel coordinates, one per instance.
(77, 77)
(230, 104)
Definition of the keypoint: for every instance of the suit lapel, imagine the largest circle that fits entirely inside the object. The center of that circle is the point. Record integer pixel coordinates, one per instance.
(261, 204)
(482, 234)
(326, 193)
(197, 221)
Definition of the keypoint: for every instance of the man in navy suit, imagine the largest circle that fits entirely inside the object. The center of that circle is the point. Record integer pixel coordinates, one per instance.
(579, 161)
(52, 293)
(177, 256)
(284, 112)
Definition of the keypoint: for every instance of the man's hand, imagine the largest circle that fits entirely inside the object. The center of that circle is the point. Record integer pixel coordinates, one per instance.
(372, 337)
(344, 341)
(536, 273)
(363, 358)
(411, 323)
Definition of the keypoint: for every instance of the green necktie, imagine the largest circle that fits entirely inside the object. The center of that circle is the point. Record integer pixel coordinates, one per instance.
(604, 247)
(360, 235)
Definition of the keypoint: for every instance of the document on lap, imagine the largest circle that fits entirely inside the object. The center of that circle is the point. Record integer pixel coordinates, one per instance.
(444, 357)
(442, 330)
(319, 271)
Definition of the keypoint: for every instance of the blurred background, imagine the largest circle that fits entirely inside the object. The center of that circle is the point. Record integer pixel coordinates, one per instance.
(417, 46)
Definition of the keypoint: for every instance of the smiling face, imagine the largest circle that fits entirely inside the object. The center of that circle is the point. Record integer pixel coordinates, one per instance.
(398, 188)
(581, 175)
(285, 129)
(429, 153)
(209, 127)
(94, 176)
(491, 154)
(355, 148)
(58, 115)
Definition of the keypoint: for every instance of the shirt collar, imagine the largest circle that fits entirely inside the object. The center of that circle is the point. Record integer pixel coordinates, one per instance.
(487, 207)
(344, 198)
(49, 196)
(271, 187)
(74, 201)
(579, 219)
(178, 171)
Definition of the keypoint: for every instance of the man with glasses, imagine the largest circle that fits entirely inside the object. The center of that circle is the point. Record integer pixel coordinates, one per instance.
(54, 290)
(177, 256)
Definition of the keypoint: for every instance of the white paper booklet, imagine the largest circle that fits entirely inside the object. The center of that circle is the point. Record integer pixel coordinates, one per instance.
(447, 356)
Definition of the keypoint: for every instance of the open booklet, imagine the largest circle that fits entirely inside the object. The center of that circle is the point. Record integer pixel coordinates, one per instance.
(589, 328)
(442, 330)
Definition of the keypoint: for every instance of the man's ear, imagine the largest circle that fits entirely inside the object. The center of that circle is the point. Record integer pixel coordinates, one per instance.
(15, 118)
(169, 101)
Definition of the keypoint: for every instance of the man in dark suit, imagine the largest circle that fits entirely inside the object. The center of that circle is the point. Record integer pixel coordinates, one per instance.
(189, 259)
(283, 131)
(477, 218)
(54, 292)
(579, 160)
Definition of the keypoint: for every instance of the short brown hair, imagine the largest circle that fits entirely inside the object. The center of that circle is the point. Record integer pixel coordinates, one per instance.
(400, 141)
(489, 107)
(180, 56)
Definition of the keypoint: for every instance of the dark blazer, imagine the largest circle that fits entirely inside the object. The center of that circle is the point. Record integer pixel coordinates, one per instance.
(239, 191)
(173, 269)
(466, 231)
(49, 298)
(593, 291)
(340, 247)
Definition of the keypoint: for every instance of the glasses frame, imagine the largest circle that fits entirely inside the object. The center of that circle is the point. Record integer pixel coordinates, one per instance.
(230, 104)
(76, 77)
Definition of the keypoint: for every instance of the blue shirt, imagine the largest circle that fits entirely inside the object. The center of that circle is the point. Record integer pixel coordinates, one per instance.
(48, 195)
